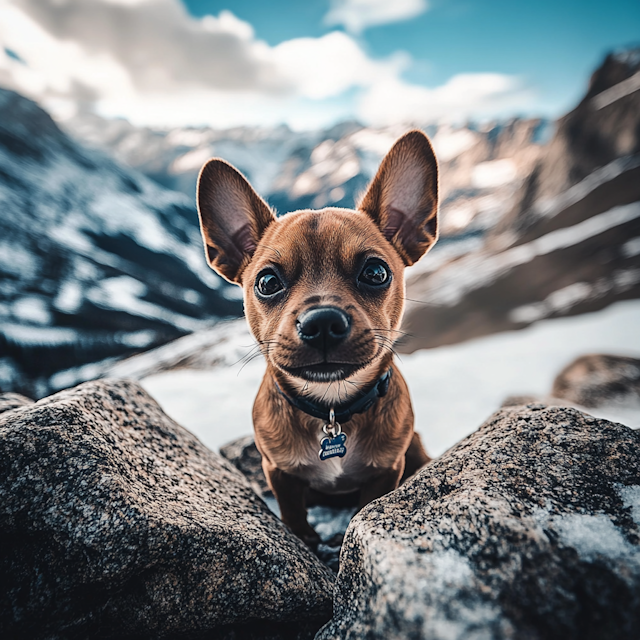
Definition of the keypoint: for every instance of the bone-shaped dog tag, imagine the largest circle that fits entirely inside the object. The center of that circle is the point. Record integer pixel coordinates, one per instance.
(333, 447)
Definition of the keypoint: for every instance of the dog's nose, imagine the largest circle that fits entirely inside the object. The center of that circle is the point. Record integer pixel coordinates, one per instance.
(323, 327)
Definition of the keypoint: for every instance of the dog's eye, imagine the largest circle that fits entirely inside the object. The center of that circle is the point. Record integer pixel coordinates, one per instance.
(374, 273)
(268, 283)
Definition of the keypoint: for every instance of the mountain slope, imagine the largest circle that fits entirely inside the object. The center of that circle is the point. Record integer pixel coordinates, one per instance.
(602, 128)
(96, 260)
(482, 167)
(571, 245)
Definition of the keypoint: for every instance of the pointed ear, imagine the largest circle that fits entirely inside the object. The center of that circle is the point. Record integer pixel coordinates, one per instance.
(403, 197)
(233, 218)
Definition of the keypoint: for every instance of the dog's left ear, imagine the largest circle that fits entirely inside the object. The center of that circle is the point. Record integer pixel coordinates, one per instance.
(403, 197)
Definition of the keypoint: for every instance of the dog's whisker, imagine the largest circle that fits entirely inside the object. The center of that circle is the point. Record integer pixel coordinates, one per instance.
(249, 354)
(403, 333)
(257, 355)
(255, 351)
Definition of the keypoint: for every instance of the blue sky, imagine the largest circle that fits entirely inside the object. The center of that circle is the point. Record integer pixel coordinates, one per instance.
(308, 64)
(552, 45)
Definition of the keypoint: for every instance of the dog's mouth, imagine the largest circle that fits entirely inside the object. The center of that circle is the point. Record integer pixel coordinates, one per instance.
(324, 371)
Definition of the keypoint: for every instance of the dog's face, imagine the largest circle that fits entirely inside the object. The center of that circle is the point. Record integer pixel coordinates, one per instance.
(324, 294)
(324, 290)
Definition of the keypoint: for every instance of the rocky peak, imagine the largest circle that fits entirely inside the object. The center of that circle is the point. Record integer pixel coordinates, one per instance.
(617, 67)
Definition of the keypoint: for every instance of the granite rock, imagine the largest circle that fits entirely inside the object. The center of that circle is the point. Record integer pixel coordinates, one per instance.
(10, 401)
(245, 457)
(529, 529)
(597, 380)
(115, 522)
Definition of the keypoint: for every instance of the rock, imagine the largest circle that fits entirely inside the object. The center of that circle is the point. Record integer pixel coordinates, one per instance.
(244, 456)
(330, 519)
(10, 401)
(529, 528)
(516, 401)
(117, 522)
(597, 380)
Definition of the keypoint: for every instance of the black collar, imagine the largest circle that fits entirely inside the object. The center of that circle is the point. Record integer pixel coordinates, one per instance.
(344, 412)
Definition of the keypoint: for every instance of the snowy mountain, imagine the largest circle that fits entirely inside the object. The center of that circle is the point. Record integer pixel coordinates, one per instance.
(99, 261)
(601, 129)
(482, 167)
(570, 245)
(96, 260)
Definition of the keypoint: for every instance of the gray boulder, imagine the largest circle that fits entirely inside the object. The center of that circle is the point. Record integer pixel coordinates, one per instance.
(529, 529)
(116, 522)
(11, 401)
(245, 457)
(597, 380)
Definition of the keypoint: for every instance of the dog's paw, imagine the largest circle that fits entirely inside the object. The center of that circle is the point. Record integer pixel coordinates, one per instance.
(308, 535)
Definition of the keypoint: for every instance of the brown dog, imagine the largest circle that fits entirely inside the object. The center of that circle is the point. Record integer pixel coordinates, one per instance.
(324, 296)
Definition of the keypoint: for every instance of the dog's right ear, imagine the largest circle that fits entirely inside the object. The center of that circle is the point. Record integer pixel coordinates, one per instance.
(233, 218)
(403, 197)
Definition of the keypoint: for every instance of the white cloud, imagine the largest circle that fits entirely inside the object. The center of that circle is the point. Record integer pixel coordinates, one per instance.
(328, 66)
(158, 44)
(357, 15)
(153, 63)
(465, 95)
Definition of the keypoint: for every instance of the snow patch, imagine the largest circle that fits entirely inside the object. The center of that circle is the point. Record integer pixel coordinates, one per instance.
(594, 536)
(631, 248)
(17, 261)
(549, 207)
(494, 173)
(376, 142)
(69, 298)
(443, 252)
(328, 521)
(123, 293)
(30, 335)
(449, 143)
(9, 372)
(71, 377)
(630, 496)
(190, 161)
(450, 286)
(137, 339)
(564, 299)
(187, 137)
(620, 90)
(31, 309)
(120, 213)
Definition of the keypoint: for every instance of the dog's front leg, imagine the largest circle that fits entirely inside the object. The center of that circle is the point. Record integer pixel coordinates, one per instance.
(382, 484)
(290, 494)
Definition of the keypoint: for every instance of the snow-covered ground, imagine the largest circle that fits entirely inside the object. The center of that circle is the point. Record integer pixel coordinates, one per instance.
(454, 388)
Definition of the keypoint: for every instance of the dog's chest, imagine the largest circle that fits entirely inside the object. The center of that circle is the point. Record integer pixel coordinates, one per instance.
(336, 474)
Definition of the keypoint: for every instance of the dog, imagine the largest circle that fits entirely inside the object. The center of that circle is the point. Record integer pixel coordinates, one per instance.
(324, 297)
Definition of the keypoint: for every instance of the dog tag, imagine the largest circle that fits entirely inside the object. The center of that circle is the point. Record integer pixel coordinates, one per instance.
(333, 447)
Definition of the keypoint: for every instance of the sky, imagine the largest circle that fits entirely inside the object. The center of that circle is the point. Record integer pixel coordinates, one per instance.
(218, 63)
